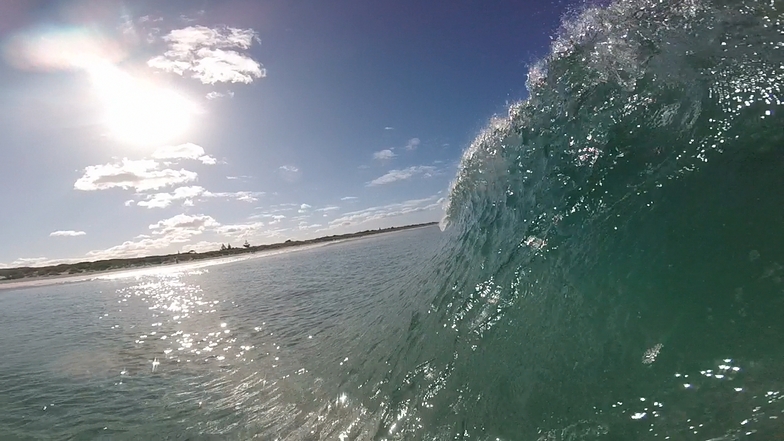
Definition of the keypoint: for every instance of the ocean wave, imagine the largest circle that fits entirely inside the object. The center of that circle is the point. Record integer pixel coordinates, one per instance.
(597, 237)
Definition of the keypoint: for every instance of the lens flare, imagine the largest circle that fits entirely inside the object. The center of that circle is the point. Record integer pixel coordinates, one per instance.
(137, 111)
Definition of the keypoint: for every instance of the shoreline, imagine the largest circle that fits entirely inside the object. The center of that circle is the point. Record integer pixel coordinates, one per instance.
(197, 260)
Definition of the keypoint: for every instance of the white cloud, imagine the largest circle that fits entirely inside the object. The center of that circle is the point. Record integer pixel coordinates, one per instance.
(384, 155)
(400, 175)
(208, 160)
(412, 144)
(183, 225)
(215, 95)
(189, 194)
(304, 208)
(178, 231)
(243, 196)
(66, 233)
(386, 211)
(348, 198)
(129, 202)
(329, 208)
(389, 128)
(210, 55)
(184, 151)
(141, 175)
(289, 168)
(163, 200)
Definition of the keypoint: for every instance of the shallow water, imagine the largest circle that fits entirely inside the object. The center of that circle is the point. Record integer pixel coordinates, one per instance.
(258, 348)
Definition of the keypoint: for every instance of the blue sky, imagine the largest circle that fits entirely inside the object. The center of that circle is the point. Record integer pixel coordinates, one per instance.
(148, 127)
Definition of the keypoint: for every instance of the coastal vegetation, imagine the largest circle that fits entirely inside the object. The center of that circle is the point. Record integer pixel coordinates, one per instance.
(140, 262)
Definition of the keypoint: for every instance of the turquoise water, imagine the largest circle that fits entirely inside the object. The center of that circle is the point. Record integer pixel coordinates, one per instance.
(609, 268)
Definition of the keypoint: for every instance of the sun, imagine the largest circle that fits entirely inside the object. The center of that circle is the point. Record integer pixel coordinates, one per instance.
(139, 112)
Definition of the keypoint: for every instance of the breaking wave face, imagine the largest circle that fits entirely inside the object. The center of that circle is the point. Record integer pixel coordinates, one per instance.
(614, 250)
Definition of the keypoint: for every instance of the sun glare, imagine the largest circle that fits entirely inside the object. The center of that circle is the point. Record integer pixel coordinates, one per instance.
(139, 112)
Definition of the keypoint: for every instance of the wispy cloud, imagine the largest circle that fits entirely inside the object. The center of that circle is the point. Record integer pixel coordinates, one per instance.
(389, 128)
(184, 151)
(276, 218)
(163, 200)
(304, 208)
(189, 194)
(211, 55)
(66, 233)
(141, 175)
(386, 211)
(290, 173)
(215, 95)
(348, 198)
(384, 154)
(279, 208)
(412, 144)
(404, 174)
(329, 208)
(242, 196)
